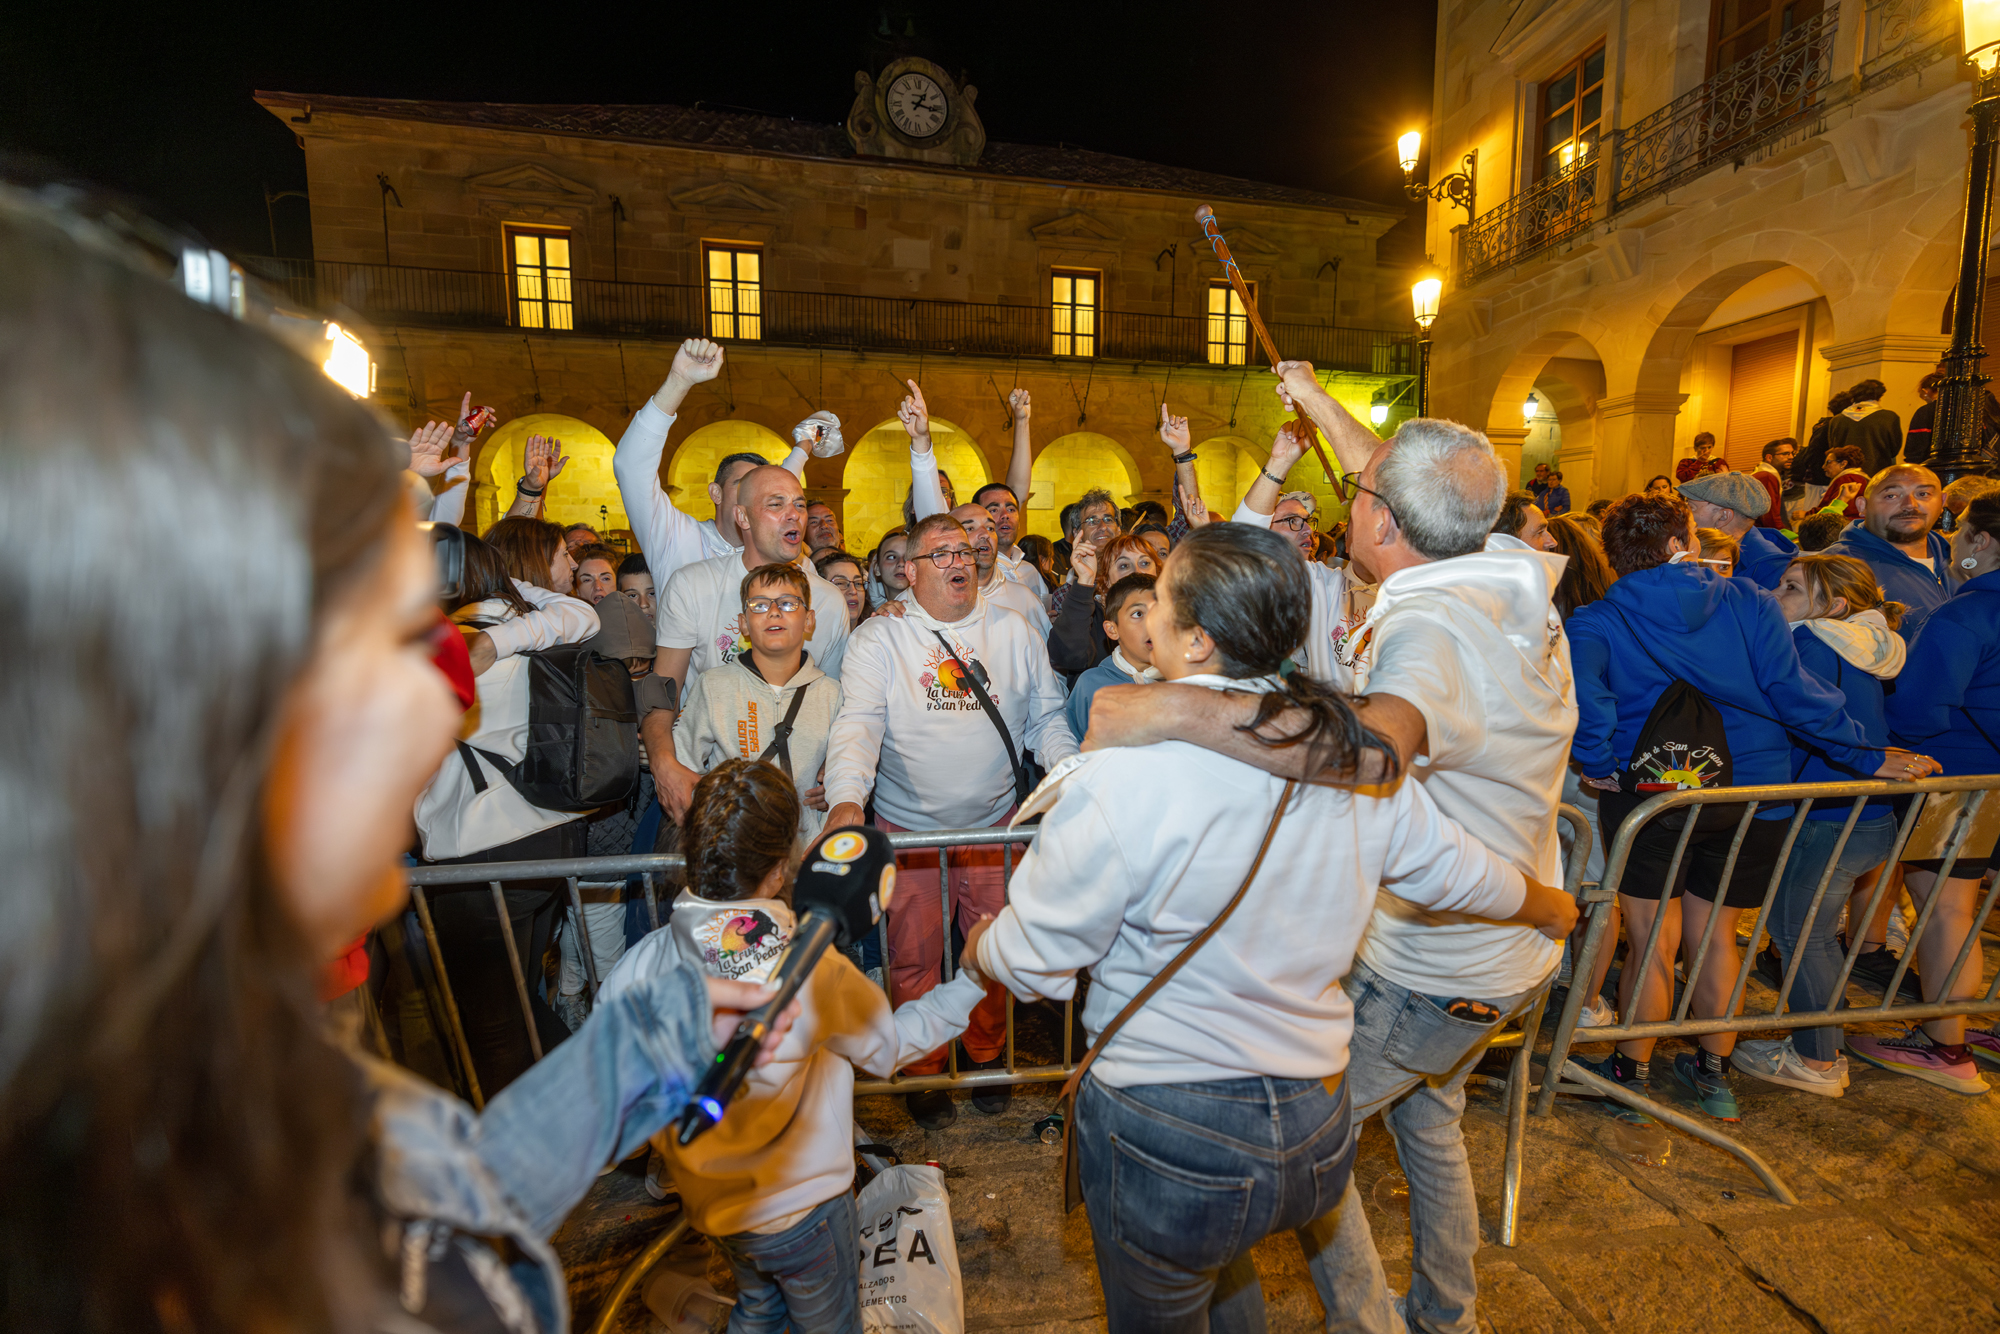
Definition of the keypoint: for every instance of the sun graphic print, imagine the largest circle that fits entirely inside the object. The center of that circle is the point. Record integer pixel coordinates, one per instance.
(945, 683)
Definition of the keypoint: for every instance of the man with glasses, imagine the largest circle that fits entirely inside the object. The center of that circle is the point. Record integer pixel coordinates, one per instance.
(915, 731)
(1096, 524)
(701, 610)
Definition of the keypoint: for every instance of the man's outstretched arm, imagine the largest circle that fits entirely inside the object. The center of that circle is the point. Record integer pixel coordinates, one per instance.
(1141, 715)
(1352, 442)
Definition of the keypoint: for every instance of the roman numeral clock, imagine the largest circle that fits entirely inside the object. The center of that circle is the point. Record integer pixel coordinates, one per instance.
(914, 110)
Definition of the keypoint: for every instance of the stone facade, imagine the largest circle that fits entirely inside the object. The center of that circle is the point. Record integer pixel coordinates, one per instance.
(1843, 228)
(829, 224)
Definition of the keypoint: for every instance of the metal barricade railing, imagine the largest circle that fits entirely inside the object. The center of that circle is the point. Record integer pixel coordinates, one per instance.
(1565, 1075)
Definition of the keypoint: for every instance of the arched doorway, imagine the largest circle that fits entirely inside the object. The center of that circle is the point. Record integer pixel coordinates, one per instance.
(877, 477)
(1070, 465)
(583, 492)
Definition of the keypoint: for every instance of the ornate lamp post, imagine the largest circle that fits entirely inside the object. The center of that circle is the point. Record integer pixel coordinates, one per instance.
(1457, 188)
(1959, 428)
(1424, 295)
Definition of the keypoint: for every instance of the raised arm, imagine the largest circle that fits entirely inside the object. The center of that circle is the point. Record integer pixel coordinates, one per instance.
(1261, 500)
(1021, 464)
(556, 619)
(1352, 441)
(1215, 719)
(668, 536)
(545, 462)
(926, 493)
(1189, 511)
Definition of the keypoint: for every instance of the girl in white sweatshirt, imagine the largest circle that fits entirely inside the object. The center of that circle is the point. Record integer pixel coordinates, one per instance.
(1217, 1115)
(772, 1184)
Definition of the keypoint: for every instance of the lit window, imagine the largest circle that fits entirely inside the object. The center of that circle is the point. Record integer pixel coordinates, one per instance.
(542, 298)
(735, 293)
(1075, 313)
(1228, 325)
(1572, 113)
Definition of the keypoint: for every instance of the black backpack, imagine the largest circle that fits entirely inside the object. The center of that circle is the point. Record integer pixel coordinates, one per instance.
(1683, 745)
(583, 733)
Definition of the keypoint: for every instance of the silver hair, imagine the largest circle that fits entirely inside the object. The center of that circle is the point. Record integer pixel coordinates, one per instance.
(1444, 484)
(1306, 498)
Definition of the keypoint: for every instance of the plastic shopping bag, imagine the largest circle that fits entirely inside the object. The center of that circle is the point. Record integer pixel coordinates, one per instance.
(909, 1258)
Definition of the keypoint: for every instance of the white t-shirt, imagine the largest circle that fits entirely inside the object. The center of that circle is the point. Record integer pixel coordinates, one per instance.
(702, 605)
(1336, 637)
(669, 537)
(1475, 645)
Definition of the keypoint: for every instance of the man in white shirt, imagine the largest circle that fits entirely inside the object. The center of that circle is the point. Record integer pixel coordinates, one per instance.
(1003, 500)
(1464, 665)
(701, 607)
(668, 536)
(913, 729)
(977, 520)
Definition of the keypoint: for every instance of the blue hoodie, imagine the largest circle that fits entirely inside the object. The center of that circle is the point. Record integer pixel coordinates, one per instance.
(1903, 580)
(1728, 640)
(1951, 687)
(1763, 554)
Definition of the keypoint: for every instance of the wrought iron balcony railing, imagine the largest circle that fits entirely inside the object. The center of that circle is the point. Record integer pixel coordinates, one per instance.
(467, 299)
(1547, 213)
(1742, 108)
(1898, 36)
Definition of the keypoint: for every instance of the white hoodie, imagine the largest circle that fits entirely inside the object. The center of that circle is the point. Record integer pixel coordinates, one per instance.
(1142, 849)
(919, 738)
(1474, 643)
(1864, 640)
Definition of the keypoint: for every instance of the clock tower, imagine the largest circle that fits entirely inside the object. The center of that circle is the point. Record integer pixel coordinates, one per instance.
(913, 110)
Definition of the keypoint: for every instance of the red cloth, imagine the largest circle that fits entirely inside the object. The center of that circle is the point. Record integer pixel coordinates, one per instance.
(1853, 510)
(1774, 486)
(454, 659)
(345, 973)
(1689, 469)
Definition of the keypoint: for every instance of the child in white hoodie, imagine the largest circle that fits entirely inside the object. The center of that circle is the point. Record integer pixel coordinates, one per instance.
(772, 1184)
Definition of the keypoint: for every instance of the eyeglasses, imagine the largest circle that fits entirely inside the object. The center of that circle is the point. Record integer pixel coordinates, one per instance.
(948, 557)
(1099, 521)
(845, 584)
(1293, 523)
(764, 606)
(1353, 479)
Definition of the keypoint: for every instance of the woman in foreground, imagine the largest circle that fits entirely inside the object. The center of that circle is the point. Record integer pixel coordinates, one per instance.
(1218, 1115)
(207, 786)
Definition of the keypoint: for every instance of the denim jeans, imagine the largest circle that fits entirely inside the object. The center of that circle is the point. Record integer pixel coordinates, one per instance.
(1408, 1059)
(1819, 952)
(804, 1277)
(1183, 1179)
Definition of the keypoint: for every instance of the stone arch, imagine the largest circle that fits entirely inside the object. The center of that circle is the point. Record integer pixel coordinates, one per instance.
(1072, 464)
(1225, 465)
(876, 475)
(583, 492)
(1556, 364)
(691, 470)
(1689, 299)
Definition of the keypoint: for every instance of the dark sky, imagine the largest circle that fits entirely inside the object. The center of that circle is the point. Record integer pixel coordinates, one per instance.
(157, 102)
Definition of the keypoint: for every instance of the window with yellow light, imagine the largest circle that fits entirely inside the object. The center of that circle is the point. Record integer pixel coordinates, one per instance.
(1075, 312)
(541, 275)
(735, 292)
(1228, 325)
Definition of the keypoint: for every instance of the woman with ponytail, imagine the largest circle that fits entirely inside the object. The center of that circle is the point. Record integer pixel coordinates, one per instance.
(1217, 1114)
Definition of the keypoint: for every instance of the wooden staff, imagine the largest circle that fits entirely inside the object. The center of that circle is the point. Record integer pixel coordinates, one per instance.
(1206, 217)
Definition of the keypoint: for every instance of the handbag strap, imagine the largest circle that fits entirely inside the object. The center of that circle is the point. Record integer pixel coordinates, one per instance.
(1166, 974)
(781, 737)
(993, 713)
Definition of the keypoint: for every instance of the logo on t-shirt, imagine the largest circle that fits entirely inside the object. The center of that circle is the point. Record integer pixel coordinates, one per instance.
(944, 683)
(732, 643)
(741, 946)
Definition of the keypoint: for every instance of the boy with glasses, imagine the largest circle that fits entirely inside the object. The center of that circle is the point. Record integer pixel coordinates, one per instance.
(772, 703)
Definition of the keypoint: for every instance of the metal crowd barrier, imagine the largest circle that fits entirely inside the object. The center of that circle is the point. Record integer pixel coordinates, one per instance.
(1570, 1077)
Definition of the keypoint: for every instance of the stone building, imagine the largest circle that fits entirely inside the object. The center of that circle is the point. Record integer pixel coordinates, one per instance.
(550, 258)
(1692, 215)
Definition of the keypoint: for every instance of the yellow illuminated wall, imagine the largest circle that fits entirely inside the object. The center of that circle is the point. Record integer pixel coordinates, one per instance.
(584, 492)
(877, 477)
(1071, 465)
(693, 466)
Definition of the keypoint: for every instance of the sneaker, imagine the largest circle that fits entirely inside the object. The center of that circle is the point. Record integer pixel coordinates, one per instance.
(1915, 1054)
(1712, 1094)
(1983, 1043)
(1631, 1116)
(1771, 967)
(931, 1109)
(1777, 1062)
(1597, 1013)
(992, 1099)
(1874, 968)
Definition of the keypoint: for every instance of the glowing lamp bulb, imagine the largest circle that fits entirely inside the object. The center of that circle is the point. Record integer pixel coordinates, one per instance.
(1424, 296)
(1407, 146)
(346, 362)
(1531, 408)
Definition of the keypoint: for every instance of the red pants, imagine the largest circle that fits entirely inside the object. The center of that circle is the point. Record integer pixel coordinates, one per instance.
(917, 932)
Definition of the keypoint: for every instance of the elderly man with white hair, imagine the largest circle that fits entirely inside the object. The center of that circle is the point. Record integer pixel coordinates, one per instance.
(1462, 662)
(1731, 503)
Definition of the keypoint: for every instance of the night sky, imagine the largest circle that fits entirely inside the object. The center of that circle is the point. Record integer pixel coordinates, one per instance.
(157, 103)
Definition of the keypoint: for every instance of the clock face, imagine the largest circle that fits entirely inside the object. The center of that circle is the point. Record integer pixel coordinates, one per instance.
(916, 105)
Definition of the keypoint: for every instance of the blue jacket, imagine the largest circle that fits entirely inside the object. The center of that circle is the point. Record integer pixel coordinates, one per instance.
(1951, 685)
(1863, 693)
(1902, 579)
(1555, 500)
(1728, 640)
(1764, 554)
(1105, 673)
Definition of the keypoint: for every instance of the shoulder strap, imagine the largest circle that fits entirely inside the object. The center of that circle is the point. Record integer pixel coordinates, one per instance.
(467, 754)
(781, 736)
(999, 723)
(1166, 974)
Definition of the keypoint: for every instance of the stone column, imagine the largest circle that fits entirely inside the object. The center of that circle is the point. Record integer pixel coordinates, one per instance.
(1635, 440)
(1507, 442)
(1898, 360)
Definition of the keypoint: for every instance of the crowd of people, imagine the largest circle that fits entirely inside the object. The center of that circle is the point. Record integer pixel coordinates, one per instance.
(1296, 783)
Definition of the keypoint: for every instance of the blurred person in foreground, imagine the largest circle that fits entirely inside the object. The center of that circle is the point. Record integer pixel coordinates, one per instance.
(192, 831)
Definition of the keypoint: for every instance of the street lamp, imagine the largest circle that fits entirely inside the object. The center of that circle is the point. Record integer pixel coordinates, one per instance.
(1532, 408)
(1424, 295)
(1378, 409)
(1457, 188)
(1957, 429)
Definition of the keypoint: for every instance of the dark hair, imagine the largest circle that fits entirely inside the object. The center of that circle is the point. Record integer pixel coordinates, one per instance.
(1931, 381)
(1847, 456)
(994, 486)
(1092, 498)
(1658, 477)
(1595, 509)
(1514, 513)
(1040, 553)
(1983, 516)
(486, 578)
(1840, 402)
(1778, 444)
(1153, 511)
(598, 551)
(831, 559)
(634, 564)
(1248, 590)
(1868, 391)
(1637, 529)
(1115, 596)
(1587, 576)
(1151, 527)
(728, 461)
(183, 1148)
(578, 528)
(742, 821)
(775, 573)
(1556, 473)
(1066, 519)
(1817, 532)
(1704, 438)
(527, 547)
